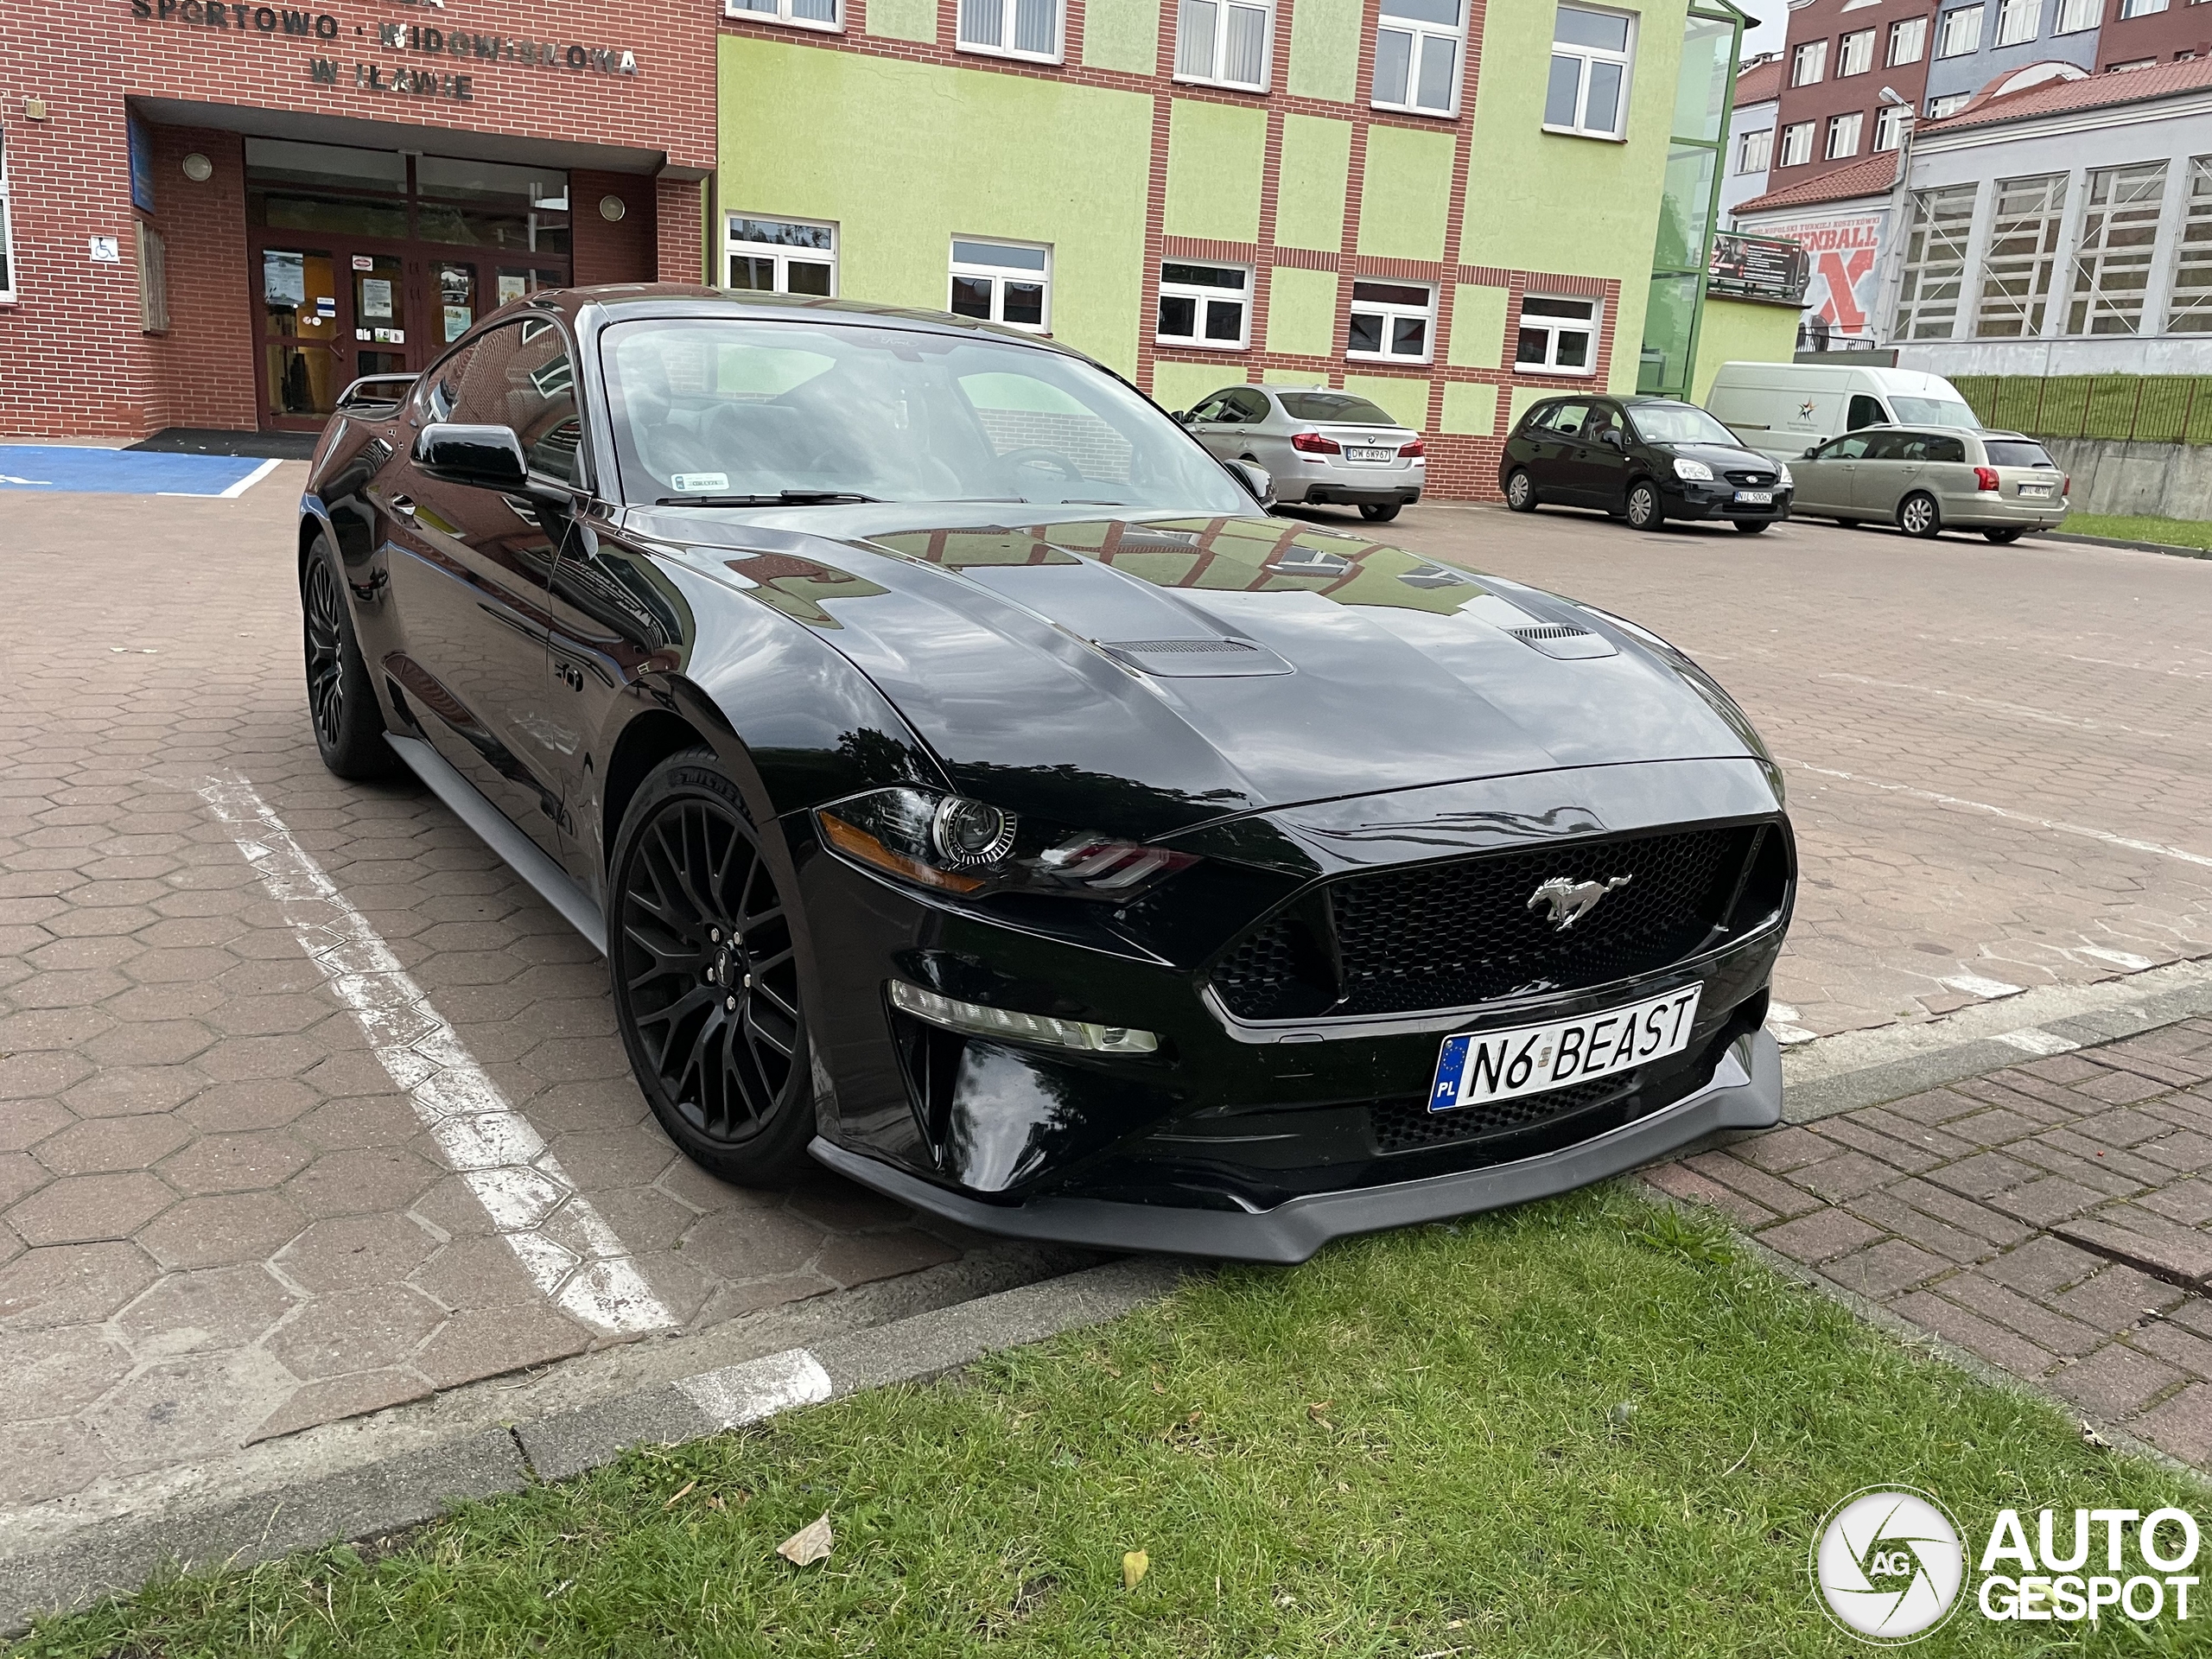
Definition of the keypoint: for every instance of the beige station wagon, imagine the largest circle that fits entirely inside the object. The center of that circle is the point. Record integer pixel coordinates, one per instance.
(1926, 480)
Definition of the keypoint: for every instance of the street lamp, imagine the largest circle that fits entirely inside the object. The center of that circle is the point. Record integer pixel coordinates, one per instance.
(1900, 203)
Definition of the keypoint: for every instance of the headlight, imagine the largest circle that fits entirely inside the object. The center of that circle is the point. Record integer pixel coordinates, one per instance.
(1696, 471)
(1788, 482)
(953, 844)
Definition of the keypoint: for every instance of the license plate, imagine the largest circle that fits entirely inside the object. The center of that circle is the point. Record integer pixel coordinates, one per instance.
(1487, 1066)
(2036, 489)
(1367, 454)
(1755, 497)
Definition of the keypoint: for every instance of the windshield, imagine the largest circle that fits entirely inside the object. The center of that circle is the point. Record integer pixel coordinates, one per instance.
(1933, 411)
(1332, 406)
(714, 409)
(1679, 423)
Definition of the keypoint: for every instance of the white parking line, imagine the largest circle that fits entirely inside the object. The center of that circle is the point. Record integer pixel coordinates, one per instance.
(2062, 828)
(488, 1144)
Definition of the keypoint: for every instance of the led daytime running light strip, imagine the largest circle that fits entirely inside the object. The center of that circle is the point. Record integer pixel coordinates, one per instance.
(979, 1021)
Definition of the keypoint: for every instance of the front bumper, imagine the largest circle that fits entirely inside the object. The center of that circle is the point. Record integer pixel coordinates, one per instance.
(1686, 500)
(1745, 1093)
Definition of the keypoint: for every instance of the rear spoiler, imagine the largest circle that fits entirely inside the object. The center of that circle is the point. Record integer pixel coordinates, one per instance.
(375, 391)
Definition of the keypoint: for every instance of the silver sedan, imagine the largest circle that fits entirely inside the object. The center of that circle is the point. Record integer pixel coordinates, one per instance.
(1317, 443)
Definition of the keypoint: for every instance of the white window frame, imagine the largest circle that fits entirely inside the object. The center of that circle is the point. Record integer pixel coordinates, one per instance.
(1888, 127)
(1204, 296)
(1907, 42)
(1809, 63)
(1931, 297)
(2074, 16)
(1589, 55)
(1844, 132)
(2189, 301)
(1000, 275)
(785, 12)
(1761, 140)
(1389, 312)
(1215, 73)
(2117, 239)
(2140, 9)
(1950, 103)
(1555, 328)
(1796, 143)
(7, 230)
(782, 253)
(1419, 32)
(972, 12)
(2018, 21)
(1854, 53)
(2019, 261)
(1959, 32)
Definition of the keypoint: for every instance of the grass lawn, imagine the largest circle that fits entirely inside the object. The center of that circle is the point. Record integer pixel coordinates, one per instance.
(1578, 1428)
(2172, 533)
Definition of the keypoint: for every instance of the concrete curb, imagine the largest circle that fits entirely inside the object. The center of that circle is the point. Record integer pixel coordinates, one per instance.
(392, 1494)
(2133, 547)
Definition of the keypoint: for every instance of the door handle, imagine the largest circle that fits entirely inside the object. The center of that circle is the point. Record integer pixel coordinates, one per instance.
(571, 676)
(404, 506)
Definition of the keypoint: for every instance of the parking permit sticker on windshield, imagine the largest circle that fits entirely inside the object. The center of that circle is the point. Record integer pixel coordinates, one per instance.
(698, 483)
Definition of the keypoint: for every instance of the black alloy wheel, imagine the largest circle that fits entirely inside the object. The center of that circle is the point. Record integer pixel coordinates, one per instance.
(1918, 515)
(706, 976)
(1644, 511)
(342, 702)
(1752, 526)
(1521, 491)
(2002, 537)
(1378, 512)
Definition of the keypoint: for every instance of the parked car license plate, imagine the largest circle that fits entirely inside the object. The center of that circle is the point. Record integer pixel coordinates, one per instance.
(1367, 454)
(1755, 497)
(2036, 489)
(1487, 1066)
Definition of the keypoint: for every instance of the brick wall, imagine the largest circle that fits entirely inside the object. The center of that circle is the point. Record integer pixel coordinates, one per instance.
(73, 361)
(612, 251)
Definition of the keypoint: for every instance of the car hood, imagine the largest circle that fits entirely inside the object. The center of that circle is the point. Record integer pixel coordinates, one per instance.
(1147, 676)
(1719, 456)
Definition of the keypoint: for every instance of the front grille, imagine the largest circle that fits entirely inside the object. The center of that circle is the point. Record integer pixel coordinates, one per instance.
(1443, 936)
(1402, 1125)
(1755, 481)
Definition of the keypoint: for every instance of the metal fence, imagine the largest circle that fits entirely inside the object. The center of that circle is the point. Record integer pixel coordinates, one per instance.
(2149, 408)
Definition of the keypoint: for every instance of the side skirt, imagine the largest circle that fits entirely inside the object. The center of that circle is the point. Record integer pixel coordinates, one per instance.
(522, 855)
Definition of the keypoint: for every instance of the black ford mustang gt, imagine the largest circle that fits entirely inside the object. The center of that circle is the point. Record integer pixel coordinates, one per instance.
(973, 787)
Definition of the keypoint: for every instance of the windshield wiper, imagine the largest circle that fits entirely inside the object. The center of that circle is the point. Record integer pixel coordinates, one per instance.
(781, 498)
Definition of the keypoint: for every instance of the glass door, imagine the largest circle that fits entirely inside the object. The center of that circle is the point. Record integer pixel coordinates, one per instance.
(380, 319)
(302, 367)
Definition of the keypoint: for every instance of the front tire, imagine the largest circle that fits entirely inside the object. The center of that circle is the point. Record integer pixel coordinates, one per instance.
(1918, 515)
(2002, 537)
(1378, 512)
(1521, 491)
(701, 951)
(341, 697)
(1645, 510)
(1752, 526)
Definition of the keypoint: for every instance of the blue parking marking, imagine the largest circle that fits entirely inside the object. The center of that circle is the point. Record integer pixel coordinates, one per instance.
(56, 467)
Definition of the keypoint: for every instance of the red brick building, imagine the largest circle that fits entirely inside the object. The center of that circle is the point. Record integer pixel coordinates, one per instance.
(220, 213)
(1840, 56)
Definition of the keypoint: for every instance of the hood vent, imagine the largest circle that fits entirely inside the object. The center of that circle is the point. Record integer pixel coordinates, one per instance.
(1201, 658)
(1550, 631)
(1156, 541)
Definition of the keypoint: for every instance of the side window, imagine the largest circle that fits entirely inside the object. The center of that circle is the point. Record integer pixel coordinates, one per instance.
(1568, 419)
(440, 388)
(1849, 449)
(1214, 408)
(1891, 446)
(1603, 418)
(521, 376)
(1248, 405)
(1867, 411)
(1947, 449)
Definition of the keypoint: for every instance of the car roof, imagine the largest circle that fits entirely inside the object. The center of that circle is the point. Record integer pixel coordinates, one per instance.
(619, 302)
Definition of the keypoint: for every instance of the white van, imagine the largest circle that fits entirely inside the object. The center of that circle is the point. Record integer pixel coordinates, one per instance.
(1782, 409)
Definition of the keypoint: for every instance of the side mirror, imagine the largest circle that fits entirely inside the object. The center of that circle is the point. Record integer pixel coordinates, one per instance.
(1612, 434)
(483, 457)
(1181, 417)
(1810, 453)
(1255, 480)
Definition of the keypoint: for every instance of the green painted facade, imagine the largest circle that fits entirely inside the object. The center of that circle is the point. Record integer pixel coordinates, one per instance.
(903, 143)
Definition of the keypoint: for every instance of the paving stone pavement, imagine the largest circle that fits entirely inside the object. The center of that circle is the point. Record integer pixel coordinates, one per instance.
(2054, 1217)
(1998, 758)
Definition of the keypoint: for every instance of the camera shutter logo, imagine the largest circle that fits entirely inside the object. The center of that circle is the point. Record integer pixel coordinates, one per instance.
(1889, 1564)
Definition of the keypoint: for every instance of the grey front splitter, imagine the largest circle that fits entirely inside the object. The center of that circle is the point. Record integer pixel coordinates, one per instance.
(1737, 1098)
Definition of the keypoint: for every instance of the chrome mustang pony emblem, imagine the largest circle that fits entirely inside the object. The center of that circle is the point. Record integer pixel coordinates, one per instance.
(1571, 901)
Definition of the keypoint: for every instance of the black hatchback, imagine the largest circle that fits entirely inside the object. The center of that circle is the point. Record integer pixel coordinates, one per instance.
(1643, 459)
